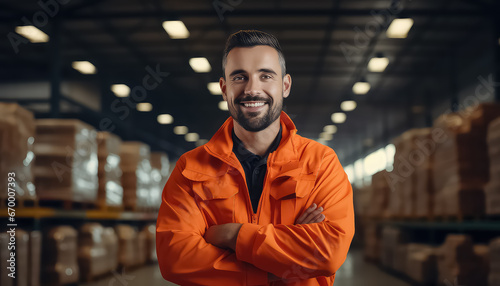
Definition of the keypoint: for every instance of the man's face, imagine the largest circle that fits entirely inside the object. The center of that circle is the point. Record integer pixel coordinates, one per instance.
(254, 88)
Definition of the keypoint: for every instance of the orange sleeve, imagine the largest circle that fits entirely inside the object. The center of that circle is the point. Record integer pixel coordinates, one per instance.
(184, 256)
(308, 250)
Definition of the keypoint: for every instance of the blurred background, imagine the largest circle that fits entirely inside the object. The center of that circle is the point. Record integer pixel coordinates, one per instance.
(99, 98)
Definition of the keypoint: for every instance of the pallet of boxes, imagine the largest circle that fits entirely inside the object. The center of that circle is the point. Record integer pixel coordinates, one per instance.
(17, 132)
(136, 175)
(66, 164)
(159, 175)
(110, 192)
(461, 163)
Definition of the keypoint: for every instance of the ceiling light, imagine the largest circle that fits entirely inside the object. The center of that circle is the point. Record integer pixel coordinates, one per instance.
(120, 90)
(165, 119)
(331, 129)
(192, 137)
(399, 28)
(326, 136)
(322, 141)
(348, 105)
(378, 64)
(144, 107)
(214, 88)
(338, 117)
(180, 130)
(32, 33)
(200, 64)
(361, 87)
(176, 29)
(223, 105)
(84, 67)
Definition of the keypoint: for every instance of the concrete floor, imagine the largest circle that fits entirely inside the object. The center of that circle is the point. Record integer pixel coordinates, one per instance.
(354, 272)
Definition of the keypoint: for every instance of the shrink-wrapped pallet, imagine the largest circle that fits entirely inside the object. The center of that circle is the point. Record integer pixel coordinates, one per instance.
(35, 258)
(66, 165)
(422, 263)
(110, 192)
(492, 189)
(412, 154)
(136, 178)
(461, 165)
(458, 262)
(159, 175)
(494, 270)
(60, 256)
(150, 234)
(93, 258)
(22, 257)
(110, 241)
(381, 195)
(128, 250)
(17, 131)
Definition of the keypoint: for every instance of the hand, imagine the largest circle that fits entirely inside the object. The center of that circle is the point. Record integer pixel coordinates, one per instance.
(311, 215)
(223, 235)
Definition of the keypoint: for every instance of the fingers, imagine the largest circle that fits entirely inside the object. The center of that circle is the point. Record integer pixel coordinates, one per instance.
(311, 215)
(306, 213)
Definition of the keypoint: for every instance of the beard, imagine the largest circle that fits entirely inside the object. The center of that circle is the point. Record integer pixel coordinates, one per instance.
(251, 121)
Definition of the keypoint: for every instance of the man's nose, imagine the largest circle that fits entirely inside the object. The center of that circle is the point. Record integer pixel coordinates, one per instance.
(253, 87)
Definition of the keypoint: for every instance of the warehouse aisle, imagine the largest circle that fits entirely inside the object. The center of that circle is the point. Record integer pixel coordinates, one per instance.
(354, 272)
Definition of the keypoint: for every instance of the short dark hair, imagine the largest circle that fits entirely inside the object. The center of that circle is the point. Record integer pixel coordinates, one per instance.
(252, 38)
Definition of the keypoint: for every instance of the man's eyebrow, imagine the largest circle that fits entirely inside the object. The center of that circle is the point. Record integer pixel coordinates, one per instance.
(237, 72)
(268, 71)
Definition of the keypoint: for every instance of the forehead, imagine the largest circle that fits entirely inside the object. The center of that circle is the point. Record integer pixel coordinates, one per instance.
(252, 57)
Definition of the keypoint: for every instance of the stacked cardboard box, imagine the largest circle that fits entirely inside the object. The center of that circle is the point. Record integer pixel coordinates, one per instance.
(110, 192)
(461, 263)
(66, 165)
(17, 131)
(130, 251)
(492, 189)
(363, 201)
(110, 241)
(93, 257)
(22, 257)
(381, 195)
(159, 176)
(136, 178)
(461, 166)
(410, 156)
(392, 239)
(60, 256)
(422, 263)
(494, 276)
(5, 265)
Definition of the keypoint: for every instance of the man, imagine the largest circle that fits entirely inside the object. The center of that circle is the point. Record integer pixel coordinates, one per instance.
(258, 204)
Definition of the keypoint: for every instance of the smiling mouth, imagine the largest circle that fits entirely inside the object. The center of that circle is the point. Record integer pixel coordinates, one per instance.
(253, 104)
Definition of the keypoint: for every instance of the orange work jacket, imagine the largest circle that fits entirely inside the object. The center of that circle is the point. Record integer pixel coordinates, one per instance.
(208, 187)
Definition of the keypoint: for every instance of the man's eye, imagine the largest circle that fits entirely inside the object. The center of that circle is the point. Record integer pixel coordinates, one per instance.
(238, 78)
(266, 76)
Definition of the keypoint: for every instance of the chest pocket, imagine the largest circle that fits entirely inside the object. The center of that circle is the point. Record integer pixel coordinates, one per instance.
(214, 195)
(291, 190)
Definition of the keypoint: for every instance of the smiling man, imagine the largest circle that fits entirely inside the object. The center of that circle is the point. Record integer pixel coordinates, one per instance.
(258, 204)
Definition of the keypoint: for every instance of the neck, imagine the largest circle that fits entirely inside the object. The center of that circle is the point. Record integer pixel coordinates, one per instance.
(257, 142)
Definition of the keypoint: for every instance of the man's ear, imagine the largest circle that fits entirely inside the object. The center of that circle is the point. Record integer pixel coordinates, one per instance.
(287, 85)
(222, 84)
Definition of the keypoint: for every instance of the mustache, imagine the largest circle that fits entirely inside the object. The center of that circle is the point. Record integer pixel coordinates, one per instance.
(252, 98)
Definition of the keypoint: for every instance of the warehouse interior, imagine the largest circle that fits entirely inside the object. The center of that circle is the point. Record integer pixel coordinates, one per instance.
(99, 98)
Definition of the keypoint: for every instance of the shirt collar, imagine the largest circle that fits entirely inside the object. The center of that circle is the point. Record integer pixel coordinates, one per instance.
(243, 154)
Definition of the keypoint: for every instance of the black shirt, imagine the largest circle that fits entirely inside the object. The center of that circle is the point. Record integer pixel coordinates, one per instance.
(255, 167)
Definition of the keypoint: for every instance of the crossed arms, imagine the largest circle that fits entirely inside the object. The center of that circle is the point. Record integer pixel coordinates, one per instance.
(244, 254)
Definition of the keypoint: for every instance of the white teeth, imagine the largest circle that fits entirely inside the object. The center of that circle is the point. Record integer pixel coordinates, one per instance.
(254, 104)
